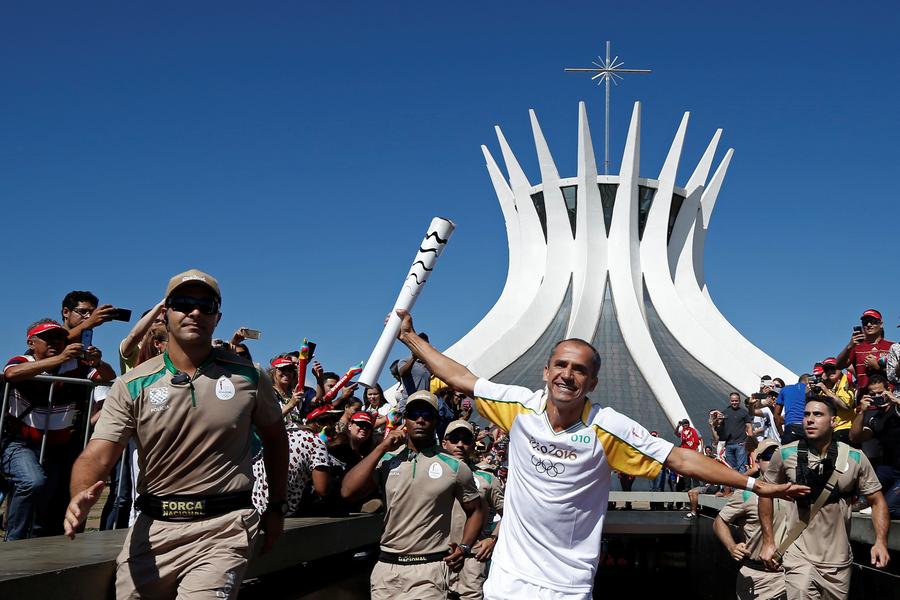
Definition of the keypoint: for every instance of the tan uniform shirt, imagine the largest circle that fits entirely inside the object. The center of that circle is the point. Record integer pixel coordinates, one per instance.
(490, 492)
(419, 492)
(826, 541)
(190, 441)
(742, 510)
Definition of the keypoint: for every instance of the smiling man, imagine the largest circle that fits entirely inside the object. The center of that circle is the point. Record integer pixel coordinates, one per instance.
(190, 410)
(563, 448)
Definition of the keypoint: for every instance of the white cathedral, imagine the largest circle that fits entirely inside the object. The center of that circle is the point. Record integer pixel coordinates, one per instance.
(616, 260)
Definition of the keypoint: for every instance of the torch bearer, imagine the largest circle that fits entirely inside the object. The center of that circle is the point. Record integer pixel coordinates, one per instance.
(430, 249)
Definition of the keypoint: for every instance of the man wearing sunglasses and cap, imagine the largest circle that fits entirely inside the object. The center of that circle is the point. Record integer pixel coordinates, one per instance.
(754, 581)
(562, 450)
(867, 350)
(419, 484)
(191, 410)
(39, 492)
(468, 584)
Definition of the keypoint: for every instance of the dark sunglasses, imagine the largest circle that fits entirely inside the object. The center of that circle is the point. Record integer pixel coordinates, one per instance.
(429, 414)
(870, 321)
(362, 425)
(455, 438)
(767, 454)
(186, 305)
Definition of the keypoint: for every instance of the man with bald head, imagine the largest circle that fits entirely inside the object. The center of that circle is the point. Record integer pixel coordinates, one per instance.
(563, 449)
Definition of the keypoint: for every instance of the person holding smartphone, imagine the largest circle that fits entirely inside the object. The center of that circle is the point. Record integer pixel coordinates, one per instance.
(867, 350)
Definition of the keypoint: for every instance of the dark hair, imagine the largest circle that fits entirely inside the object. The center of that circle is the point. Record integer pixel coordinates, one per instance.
(738, 394)
(330, 375)
(424, 336)
(243, 347)
(394, 369)
(824, 400)
(803, 378)
(878, 378)
(596, 361)
(74, 297)
(778, 380)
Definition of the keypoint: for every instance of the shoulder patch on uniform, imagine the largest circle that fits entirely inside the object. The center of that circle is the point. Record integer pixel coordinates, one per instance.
(451, 462)
(854, 454)
(746, 495)
(138, 384)
(788, 451)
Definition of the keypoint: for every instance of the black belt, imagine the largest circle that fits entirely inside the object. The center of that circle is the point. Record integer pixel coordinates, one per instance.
(756, 565)
(411, 559)
(192, 508)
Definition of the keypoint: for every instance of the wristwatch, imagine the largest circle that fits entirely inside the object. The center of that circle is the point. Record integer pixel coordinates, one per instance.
(278, 506)
(467, 549)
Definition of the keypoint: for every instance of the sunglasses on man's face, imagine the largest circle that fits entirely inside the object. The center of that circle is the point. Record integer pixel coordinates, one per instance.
(455, 438)
(362, 425)
(186, 305)
(425, 413)
(867, 322)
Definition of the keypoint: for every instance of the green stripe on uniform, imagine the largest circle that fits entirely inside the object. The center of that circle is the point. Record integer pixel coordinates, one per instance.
(854, 454)
(247, 372)
(788, 451)
(451, 462)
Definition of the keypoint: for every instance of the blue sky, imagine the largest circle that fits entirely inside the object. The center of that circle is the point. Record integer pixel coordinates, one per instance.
(297, 151)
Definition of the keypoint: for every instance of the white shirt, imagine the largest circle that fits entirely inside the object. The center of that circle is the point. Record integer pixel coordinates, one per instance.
(558, 484)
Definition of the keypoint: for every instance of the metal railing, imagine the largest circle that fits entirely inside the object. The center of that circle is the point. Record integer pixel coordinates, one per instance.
(4, 406)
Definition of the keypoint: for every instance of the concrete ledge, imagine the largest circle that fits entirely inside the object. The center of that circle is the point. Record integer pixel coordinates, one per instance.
(84, 568)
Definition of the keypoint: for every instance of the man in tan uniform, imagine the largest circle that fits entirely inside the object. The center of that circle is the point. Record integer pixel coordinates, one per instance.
(817, 564)
(419, 484)
(754, 580)
(468, 584)
(190, 411)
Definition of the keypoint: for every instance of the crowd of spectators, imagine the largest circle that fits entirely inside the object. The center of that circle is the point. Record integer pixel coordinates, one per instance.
(327, 436)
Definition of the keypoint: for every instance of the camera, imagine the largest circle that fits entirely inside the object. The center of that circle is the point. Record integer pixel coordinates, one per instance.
(814, 380)
(121, 314)
(878, 401)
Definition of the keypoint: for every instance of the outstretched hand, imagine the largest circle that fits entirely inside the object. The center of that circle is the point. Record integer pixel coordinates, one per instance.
(785, 491)
(79, 508)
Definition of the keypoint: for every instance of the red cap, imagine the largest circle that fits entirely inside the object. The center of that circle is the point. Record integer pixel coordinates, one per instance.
(832, 361)
(871, 313)
(41, 328)
(362, 417)
(817, 369)
(279, 362)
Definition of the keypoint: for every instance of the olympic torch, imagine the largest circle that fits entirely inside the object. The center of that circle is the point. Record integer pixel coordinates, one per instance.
(430, 249)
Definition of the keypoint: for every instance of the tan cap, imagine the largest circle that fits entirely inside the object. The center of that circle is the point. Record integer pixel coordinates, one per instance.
(763, 446)
(423, 396)
(459, 424)
(191, 276)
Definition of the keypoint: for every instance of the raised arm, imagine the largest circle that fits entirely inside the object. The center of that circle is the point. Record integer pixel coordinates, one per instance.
(881, 522)
(444, 368)
(129, 346)
(360, 480)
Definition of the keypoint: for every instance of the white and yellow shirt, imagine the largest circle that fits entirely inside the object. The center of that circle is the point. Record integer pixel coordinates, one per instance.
(558, 483)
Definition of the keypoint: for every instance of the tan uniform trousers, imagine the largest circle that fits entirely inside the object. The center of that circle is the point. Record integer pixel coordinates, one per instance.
(753, 584)
(805, 581)
(469, 582)
(193, 560)
(426, 581)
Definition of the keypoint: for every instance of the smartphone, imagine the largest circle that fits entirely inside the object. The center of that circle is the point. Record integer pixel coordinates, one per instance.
(250, 334)
(121, 314)
(857, 329)
(87, 340)
(312, 349)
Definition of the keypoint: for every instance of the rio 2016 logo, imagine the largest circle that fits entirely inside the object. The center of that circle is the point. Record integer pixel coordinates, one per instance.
(548, 466)
(553, 450)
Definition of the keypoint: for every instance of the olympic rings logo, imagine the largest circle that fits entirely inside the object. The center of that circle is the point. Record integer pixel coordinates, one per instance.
(548, 466)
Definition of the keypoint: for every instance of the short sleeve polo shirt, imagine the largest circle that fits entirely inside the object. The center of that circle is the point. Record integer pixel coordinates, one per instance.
(826, 540)
(192, 438)
(419, 490)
